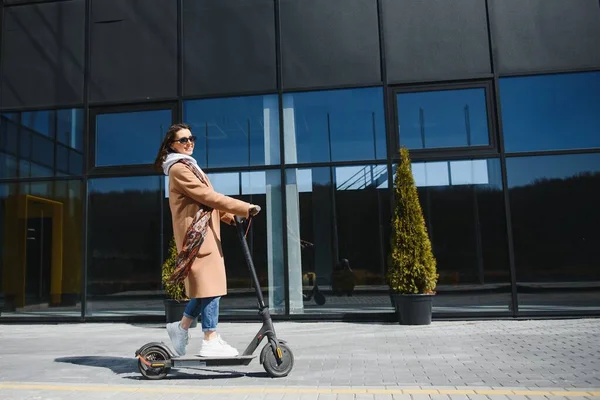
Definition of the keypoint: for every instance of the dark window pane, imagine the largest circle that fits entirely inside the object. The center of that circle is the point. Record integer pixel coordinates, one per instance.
(24, 143)
(551, 112)
(43, 54)
(238, 131)
(75, 162)
(130, 138)
(41, 149)
(463, 205)
(9, 124)
(24, 168)
(361, 195)
(555, 219)
(8, 166)
(337, 125)
(133, 50)
(62, 159)
(8, 145)
(326, 209)
(124, 245)
(41, 248)
(447, 118)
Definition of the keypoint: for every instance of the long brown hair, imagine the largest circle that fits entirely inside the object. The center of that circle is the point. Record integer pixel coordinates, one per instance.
(165, 146)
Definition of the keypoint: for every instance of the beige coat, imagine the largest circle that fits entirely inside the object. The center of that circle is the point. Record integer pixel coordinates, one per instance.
(207, 276)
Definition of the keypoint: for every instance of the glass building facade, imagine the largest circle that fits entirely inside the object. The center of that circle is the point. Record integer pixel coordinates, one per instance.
(301, 107)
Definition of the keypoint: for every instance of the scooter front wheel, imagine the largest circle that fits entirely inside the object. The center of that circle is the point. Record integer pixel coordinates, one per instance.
(153, 355)
(270, 364)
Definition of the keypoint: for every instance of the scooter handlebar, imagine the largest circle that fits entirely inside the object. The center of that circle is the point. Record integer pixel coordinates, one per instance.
(239, 222)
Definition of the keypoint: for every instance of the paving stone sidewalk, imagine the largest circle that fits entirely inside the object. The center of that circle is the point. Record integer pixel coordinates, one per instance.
(332, 361)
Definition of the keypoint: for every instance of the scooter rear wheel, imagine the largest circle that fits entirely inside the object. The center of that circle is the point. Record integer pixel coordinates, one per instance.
(153, 354)
(270, 362)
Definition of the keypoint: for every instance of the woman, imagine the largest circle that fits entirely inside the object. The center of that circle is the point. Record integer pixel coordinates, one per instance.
(196, 210)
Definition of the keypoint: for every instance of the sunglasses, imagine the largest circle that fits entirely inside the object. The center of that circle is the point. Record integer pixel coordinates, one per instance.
(184, 140)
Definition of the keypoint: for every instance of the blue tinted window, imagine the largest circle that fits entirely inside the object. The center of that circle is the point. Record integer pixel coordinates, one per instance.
(447, 118)
(551, 112)
(42, 122)
(68, 123)
(528, 171)
(130, 138)
(41, 143)
(233, 132)
(337, 125)
(554, 210)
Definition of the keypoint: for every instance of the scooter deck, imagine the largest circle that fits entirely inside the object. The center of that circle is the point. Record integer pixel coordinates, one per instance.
(189, 361)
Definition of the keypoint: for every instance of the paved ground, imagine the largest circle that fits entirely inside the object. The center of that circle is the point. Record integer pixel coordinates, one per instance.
(446, 360)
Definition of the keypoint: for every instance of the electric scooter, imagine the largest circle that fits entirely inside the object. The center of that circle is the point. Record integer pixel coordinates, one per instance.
(155, 359)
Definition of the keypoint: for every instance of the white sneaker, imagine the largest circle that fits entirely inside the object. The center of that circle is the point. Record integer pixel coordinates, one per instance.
(179, 337)
(217, 347)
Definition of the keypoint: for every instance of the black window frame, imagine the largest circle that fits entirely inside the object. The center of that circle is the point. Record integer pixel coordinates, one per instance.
(490, 150)
(91, 168)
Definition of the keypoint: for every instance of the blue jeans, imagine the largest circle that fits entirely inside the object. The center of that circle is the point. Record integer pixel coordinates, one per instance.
(208, 307)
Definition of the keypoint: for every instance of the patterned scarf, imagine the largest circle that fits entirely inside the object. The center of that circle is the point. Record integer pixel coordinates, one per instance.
(194, 236)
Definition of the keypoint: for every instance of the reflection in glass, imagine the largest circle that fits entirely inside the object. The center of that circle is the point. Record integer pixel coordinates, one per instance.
(551, 112)
(446, 118)
(41, 143)
(264, 239)
(67, 122)
(237, 131)
(130, 138)
(331, 212)
(463, 205)
(336, 125)
(555, 219)
(125, 256)
(40, 264)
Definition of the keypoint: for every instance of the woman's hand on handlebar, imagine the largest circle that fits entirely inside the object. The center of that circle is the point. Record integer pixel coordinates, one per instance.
(254, 210)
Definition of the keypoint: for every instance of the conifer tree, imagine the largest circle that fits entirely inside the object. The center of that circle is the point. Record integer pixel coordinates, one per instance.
(411, 264)
(173, 291)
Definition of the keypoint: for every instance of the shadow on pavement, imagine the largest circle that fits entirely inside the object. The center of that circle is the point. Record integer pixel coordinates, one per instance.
(148, 325)
(201, 374)
(123, 365)
(118, 365)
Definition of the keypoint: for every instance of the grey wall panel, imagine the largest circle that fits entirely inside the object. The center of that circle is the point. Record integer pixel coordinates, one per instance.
(228, 46)
(429, 40)
(43, 54)
(329, 42)
(545, 35)
(133, 50)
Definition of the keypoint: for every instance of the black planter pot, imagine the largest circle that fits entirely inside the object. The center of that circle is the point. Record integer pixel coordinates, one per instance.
(174, 311)
(413, 309)
(393, 300)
